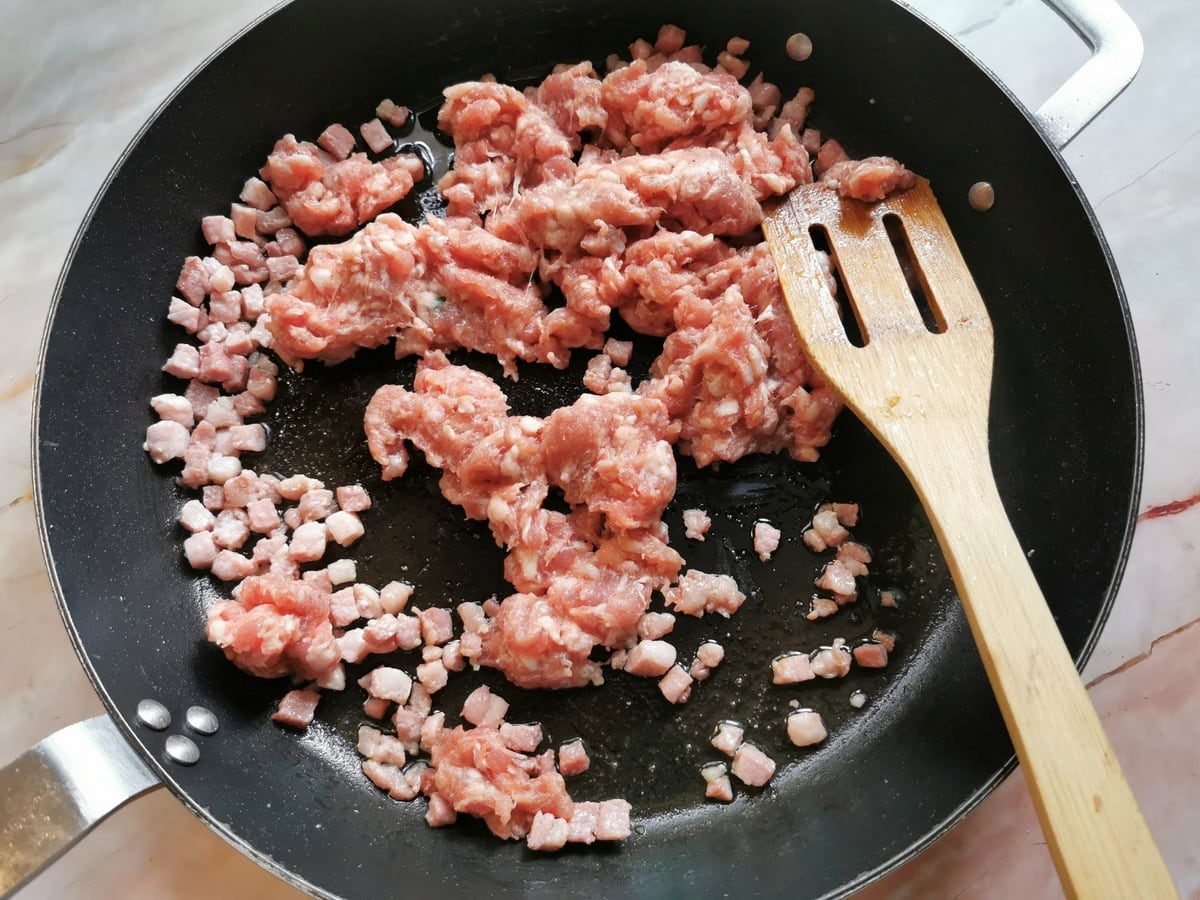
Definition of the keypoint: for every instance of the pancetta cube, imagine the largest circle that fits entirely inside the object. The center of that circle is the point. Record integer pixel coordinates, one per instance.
(521, 738)
(676, 685)
(650, 658)
(751, 766)
(805, 728)
(573, 758)
(612, 823)
(547, 832)
(297, 708)
(482, 707)
(353, 498)
(432, 675)
(376, 136)
(727, 737)
(342, 609)
(308, 542)
(387, 683)
(337, 140)
(394, 596)
(436, 625)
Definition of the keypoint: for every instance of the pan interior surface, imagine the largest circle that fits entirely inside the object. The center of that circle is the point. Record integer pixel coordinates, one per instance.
(1065, 433)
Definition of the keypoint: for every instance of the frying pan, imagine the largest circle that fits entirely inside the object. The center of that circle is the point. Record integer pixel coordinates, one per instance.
(1066, 435)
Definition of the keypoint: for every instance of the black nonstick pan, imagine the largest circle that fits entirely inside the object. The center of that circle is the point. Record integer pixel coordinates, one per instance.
(929, 742)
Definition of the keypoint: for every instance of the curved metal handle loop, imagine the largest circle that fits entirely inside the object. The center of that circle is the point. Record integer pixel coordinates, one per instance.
(1116, 57)
(57, 792)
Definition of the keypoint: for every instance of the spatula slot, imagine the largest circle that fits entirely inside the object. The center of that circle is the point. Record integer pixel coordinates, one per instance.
(849, 315)
(918, 286)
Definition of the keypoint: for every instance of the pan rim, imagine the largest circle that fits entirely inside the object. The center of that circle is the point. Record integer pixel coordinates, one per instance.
(279, 870)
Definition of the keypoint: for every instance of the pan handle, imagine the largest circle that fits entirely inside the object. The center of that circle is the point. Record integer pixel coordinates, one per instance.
(1116, 57)
(55, 793)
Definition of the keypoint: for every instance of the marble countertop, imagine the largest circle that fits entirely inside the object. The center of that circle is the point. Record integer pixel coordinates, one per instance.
(77, 80)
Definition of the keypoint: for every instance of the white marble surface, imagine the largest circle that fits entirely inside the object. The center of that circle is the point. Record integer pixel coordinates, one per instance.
(77, 79)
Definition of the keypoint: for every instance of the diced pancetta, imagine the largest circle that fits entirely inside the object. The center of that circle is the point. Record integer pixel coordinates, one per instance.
(308, 542)
(200, 550)
(805, 728)
(297, 709)
(521, 738)
(792, 668)
(396, 116)
(194, 517)
(484, 708)
(751, 766)
(547, 832)
(166, 440)
(344, 528)
(710, 654)
(822, 607)
(342, 571)
(352, 646)
(676, 684)
(376, 136)
(719, 789)
(436, 625)
(612, 823)
(433, 675)
(871, 655)
(573, 758)
(174, 408)
(256, 193)
(650, 658)
(655, 625)
(837, 579)
(353, 498)
(387, 683)
(342, 609)
(394, 596)
(833, 661)
(727, 737)
(337, 141)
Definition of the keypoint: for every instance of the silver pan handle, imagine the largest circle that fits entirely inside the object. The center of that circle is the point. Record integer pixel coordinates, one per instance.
(54, 794)
(1116, 57)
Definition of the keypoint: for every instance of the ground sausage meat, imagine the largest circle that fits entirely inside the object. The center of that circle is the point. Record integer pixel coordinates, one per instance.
(582, 578)
(474, 772)
(276, 626)
(612, 454)
(327, 195)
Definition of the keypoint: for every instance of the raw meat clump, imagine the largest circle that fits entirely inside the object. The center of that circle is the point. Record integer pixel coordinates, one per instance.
(637, 194)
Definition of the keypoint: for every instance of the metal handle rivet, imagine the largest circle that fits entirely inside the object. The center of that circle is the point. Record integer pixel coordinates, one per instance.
(981, 196)
(799, 46)
(201, 720)
(153, 714)
(182, 750)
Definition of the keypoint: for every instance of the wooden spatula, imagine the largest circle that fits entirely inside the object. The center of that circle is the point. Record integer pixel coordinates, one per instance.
(925, 396)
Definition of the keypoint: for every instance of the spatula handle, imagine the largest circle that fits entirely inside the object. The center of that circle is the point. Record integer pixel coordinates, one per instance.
(1097, 836)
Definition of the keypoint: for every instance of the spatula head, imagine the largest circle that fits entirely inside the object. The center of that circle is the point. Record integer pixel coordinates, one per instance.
(919, 341)
(911, 321)
(888, 255)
